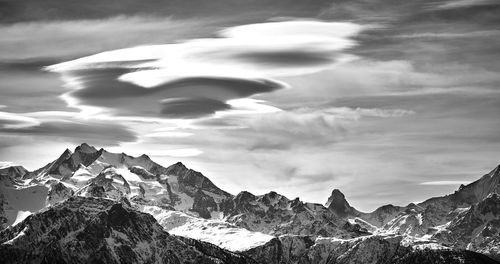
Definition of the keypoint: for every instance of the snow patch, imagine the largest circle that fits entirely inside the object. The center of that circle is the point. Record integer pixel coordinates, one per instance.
(219, 233)
(20, 234)
(128, 175)
(21, 215)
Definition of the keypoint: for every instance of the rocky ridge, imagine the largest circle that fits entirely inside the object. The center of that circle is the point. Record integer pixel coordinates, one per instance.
(97, 230)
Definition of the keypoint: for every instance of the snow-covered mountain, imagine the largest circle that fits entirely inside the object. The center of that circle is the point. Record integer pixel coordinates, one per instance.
(91, 172)
(212, 223)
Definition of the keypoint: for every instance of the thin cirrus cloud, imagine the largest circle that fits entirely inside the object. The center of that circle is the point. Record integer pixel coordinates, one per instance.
(465, 3)
(67, 39)
(63, 126)
(16, 121)
(443, 183)
(198, 77)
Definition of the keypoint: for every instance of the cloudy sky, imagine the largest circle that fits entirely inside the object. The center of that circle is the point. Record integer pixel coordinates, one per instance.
(390, 101)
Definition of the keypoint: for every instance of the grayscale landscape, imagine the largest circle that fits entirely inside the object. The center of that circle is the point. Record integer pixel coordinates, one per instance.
(250, 131)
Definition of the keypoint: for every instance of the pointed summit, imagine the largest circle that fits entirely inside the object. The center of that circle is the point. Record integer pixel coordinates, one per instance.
(495, 172)
(339, 205)
(177, 168)
(480, 189)
(86, 148)
(52, 168)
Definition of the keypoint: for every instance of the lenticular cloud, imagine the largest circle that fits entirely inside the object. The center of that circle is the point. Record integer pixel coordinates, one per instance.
(241, 62)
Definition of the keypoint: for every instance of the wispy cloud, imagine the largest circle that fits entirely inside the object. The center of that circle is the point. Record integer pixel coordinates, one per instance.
(68, 39)
(452, 35)
(443, 183)
(453, 4)
(64, 125)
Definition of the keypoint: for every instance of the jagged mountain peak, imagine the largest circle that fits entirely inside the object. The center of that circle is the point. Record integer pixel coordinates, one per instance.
(337, 195)
(66, 152)
(14, 171)
(100, 173)
(178, 166)
(272, 195)
(84, 147)
(87, 155)
(245, 195)
(496, 171)
(387, 207)
(339, 205)
(494, 175)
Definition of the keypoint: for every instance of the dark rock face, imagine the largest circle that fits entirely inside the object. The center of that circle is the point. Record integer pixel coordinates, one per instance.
(443, 257)
(69, 162)
(58, 192)
(3, 218)
(194, 179)
(271, 252)
(339, 205)
(95, 190)
(14, 172)
(203, 204)
(142, 172)
(215, 252)
(93, 230)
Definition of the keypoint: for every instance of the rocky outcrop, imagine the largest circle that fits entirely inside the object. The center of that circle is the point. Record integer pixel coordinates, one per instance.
(217, 253)
(338, 204)
(203, 204)
(58, 192)
(194, 180)
(382, 215)
(275, 214)
(69, 162)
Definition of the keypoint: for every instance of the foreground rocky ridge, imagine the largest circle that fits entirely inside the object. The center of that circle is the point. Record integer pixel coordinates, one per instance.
(99, 230)
(380, 249)
(268, 228)
(96, 230)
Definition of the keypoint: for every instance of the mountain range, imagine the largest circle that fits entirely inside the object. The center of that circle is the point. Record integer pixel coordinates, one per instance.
(94, 206)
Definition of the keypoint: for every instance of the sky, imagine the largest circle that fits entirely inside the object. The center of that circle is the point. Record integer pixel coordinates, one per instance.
(389, 101)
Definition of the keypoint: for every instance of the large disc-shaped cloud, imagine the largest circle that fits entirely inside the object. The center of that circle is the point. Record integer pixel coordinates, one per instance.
(198, 77)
